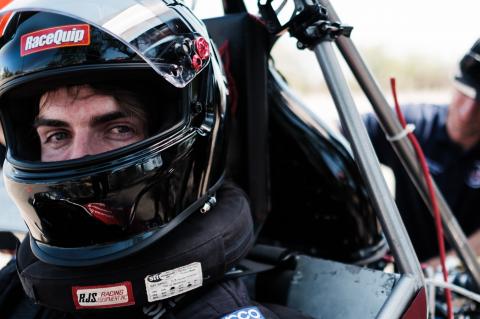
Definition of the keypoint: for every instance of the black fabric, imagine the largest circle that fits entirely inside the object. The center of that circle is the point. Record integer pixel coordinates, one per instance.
(245, 46)
(8, 240)
(456, 172)
(218, 240)
(11, 293)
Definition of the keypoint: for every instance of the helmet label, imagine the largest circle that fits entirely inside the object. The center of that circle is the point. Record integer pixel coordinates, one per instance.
(173, 282)
(56, 37)
(105, 296)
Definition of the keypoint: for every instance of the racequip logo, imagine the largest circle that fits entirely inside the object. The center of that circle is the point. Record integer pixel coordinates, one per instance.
(57, 37)
(105, 296)
(245, 313)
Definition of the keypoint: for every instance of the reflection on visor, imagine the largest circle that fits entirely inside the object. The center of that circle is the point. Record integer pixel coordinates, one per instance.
(64, 221)
(122, 115)
(105, 214)
(175, 48)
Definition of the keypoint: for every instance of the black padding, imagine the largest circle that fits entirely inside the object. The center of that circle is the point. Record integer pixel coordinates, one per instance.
(8, 240)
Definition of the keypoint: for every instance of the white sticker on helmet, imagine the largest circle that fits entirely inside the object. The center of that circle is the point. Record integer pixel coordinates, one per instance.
(173, 282)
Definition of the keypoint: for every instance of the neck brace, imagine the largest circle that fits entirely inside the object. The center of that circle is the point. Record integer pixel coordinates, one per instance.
(196, 253)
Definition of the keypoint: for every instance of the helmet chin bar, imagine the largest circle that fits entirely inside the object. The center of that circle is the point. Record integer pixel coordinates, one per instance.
(104, 253)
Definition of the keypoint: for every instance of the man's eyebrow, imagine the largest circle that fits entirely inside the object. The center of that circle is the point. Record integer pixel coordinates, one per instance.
(105, 118)
(40, 121)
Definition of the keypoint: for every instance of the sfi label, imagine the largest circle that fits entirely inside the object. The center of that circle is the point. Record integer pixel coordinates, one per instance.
(173, 282)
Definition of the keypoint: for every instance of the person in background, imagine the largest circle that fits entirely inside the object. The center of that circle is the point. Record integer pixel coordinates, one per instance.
(450, 138)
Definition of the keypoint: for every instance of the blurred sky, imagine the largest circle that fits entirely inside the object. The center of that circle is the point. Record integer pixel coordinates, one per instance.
(445, 29)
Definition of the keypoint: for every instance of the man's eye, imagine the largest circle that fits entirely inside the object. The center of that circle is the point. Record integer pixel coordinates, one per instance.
(121, 129)
(56, 137)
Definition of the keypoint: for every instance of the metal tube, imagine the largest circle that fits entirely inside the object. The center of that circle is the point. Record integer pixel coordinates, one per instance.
(404, 149)
(364, 154)
(399, 299)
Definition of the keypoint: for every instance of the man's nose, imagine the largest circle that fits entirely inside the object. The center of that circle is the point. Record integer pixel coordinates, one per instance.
(83, 144)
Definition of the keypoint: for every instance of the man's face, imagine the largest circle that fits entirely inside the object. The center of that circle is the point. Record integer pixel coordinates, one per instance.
(465, 113)
(72, 127)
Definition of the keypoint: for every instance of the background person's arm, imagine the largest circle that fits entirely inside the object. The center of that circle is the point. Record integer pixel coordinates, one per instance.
(382, 147)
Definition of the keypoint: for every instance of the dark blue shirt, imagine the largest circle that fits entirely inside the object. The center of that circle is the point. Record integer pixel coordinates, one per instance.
(456, 173)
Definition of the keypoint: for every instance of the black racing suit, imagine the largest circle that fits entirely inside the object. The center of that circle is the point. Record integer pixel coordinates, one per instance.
(456, 172)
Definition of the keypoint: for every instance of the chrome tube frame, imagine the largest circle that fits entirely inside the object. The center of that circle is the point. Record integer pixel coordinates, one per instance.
(369, 166)
(404, 149)
(399, 299)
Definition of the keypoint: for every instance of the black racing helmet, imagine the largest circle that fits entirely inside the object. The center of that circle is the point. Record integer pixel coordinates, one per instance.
(468, 76)
(107, 206)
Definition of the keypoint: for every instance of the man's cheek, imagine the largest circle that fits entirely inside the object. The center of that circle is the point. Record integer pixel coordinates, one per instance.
(49, 155)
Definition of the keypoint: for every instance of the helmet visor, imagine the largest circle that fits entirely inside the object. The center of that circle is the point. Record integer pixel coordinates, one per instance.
(169, 38)
(43, 122)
